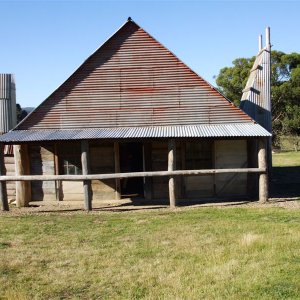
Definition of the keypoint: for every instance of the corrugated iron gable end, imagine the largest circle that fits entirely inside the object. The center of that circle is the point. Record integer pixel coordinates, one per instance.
(255, 101)
(133, 81)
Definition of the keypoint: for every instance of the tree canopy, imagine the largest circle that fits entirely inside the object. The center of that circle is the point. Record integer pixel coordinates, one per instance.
(285, 88)
(21, 113)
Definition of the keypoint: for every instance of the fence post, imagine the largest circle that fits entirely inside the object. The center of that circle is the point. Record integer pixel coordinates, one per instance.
(23, 188)
(3, 190)
(172, 167)
(263, 177)
(87, 187)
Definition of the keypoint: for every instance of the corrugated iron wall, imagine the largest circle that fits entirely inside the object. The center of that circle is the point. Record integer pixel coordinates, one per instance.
(256, 98)
(8, 117)
(133, 81)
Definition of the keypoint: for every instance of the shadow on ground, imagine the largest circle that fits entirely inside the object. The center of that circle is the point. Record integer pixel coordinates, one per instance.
(285, 182)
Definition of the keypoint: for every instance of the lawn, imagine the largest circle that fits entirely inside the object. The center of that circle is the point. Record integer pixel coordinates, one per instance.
(286, 159)
(203, 253)
(246, 252)
(285, 179)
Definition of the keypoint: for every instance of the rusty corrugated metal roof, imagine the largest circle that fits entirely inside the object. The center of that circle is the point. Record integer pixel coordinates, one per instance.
(192, 131)
(133, 81)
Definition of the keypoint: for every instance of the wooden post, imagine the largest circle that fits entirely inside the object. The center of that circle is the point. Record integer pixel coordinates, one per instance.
(3, 190)
(263, 177)
(87, 187)
(22, 165)
(58, 183)
(172, 167)
(117, 170)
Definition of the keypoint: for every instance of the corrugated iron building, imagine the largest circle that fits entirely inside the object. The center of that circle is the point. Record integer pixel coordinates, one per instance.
(8, 120)
(256, 98)
(8, 116)
(128, 99)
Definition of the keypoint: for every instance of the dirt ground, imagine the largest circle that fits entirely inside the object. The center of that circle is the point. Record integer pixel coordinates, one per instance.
(127, 205)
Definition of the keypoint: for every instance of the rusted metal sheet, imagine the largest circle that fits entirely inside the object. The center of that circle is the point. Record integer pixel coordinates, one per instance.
(194, 131)
(8, 117)
(133, 81)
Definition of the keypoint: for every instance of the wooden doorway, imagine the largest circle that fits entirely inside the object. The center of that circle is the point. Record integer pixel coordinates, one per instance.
(131, 160)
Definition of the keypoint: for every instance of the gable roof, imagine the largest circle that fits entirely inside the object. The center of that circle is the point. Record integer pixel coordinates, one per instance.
(133, 81)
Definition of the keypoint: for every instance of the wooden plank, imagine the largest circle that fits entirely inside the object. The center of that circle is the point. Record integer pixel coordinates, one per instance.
(172, 167)
(23, 188)
(3, 190)
(102, 161)
(87, 189)
(117, 170)
(263, 177)
(42, 162)
(252, 178)
(183, 167)
(9, 160)
(128, 175)
(231, 154)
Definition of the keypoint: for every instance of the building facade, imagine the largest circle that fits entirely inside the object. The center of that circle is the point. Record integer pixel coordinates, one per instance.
(132, 107)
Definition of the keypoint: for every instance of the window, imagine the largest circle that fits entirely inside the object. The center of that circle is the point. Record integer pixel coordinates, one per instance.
(70, 157)
(71, 168)
(198, 155)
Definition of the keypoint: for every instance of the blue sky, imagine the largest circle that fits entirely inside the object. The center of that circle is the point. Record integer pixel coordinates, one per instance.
(43, 42)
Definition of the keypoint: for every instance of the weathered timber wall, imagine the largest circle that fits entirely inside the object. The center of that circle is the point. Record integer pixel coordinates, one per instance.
(199, 155)
(199, 186)
(223, 154)
(9, 163)
(42, 163)
(159, 158)
(70, 152)
(102, 162)
(231, 154)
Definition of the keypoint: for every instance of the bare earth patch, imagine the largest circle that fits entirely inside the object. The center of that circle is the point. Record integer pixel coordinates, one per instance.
(75, 207)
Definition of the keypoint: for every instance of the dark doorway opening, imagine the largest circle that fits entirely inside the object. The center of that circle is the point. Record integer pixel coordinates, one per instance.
(131, 160)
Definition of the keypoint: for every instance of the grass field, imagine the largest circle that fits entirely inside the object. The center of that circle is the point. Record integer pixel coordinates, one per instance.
(285, 179)
(286, 159)
(189, 253)
(208, 253)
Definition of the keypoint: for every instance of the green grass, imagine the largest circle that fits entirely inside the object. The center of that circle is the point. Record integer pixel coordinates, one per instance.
(200, 253)
(203, 253)
(285, 178)
(286, 159)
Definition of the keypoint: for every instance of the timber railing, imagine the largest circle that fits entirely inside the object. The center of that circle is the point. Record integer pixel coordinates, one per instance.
(128, 175)
(86, 179)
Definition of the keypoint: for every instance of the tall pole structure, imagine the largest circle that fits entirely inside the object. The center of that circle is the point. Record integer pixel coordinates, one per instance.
(260, 43)
(268, 95)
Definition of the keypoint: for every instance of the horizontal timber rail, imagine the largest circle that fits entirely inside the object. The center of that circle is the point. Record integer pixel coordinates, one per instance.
(128, 175)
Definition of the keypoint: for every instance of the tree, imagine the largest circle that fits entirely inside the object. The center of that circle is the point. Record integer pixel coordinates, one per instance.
(232, 80)
(21, 113)
(285, 88)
